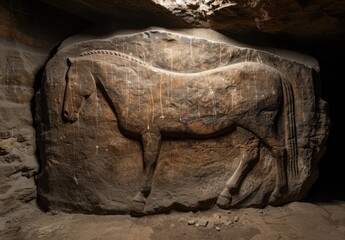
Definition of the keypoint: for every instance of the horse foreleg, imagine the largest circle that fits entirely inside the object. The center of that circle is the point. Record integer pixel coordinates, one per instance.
(280, 154)
(151, 142)
(232, 187)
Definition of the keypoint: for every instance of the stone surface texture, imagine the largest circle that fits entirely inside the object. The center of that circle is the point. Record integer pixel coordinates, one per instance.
(89, 164)
(299, 220)
(322, 17)
(17, 136)
(25, 45)
(315, 19)
(30, 31)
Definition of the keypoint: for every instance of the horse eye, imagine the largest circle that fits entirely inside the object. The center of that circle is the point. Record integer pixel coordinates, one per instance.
(85, 92)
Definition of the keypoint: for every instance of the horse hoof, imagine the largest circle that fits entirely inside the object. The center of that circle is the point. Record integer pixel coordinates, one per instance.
(274, 197)
(137, 206)
(224, 201)
(140, 198)
(138, 202)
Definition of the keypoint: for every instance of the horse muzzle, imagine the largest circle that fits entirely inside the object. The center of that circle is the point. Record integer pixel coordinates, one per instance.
(70, 117)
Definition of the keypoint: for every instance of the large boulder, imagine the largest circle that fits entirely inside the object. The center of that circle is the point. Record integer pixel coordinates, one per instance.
(138, 84)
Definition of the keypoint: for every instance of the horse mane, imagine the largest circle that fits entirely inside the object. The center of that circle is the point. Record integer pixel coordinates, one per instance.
(115, 53)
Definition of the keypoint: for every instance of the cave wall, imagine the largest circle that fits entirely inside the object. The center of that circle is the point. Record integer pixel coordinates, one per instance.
(30, 31)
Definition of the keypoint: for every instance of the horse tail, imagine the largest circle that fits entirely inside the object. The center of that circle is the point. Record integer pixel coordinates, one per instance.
(290, 127)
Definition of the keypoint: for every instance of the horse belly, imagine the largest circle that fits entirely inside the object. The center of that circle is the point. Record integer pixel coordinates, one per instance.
(193, 107)
(171, 103)
(203, 103)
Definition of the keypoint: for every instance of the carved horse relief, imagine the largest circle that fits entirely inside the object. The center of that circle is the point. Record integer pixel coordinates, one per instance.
(150, 103)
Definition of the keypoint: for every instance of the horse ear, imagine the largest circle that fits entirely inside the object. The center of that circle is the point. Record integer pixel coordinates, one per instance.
(70, 61)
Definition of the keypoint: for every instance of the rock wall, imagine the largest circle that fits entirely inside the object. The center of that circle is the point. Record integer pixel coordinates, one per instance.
(30, 31)
(25, 46)
(18, 138)
(93, 160)
(303, 20)
(322, 18)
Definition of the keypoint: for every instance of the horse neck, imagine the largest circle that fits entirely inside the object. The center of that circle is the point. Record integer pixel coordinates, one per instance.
(99, 71)
(116, 57)
(106, 85)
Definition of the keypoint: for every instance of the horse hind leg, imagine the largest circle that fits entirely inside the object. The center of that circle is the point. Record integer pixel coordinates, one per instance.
(280, 155)
(248, 159)
(151, 142)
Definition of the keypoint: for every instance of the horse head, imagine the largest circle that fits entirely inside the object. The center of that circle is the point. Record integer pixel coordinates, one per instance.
(80, 84)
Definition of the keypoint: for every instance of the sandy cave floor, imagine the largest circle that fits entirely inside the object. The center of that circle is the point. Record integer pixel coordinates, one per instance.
(297, 220)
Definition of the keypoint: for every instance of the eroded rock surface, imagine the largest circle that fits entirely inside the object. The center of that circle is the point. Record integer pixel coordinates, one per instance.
(153, 120)
(297, 220)
(17, 136)
(323, 18)
(25, 43)
(316, 19)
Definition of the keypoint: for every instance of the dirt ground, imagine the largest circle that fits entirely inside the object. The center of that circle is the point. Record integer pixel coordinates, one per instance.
(297, 220)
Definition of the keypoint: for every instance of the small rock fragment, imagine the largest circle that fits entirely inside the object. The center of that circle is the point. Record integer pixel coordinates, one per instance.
(6, 145)
(229, 222)
(236, 218)
(191, 222)
(201, 222)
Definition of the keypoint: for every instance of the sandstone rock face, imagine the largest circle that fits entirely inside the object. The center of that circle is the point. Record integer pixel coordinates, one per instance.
(18, 162)
(152, 120)
(322, 17)
(311, 20)
(25, 42)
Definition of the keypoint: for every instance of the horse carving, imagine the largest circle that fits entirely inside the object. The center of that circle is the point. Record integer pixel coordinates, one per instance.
(150, 103)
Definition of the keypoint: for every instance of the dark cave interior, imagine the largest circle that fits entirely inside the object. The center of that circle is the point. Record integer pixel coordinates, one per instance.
(329, 185)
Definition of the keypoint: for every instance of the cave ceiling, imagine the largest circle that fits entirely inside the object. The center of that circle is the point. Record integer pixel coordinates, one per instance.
(317, 20)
